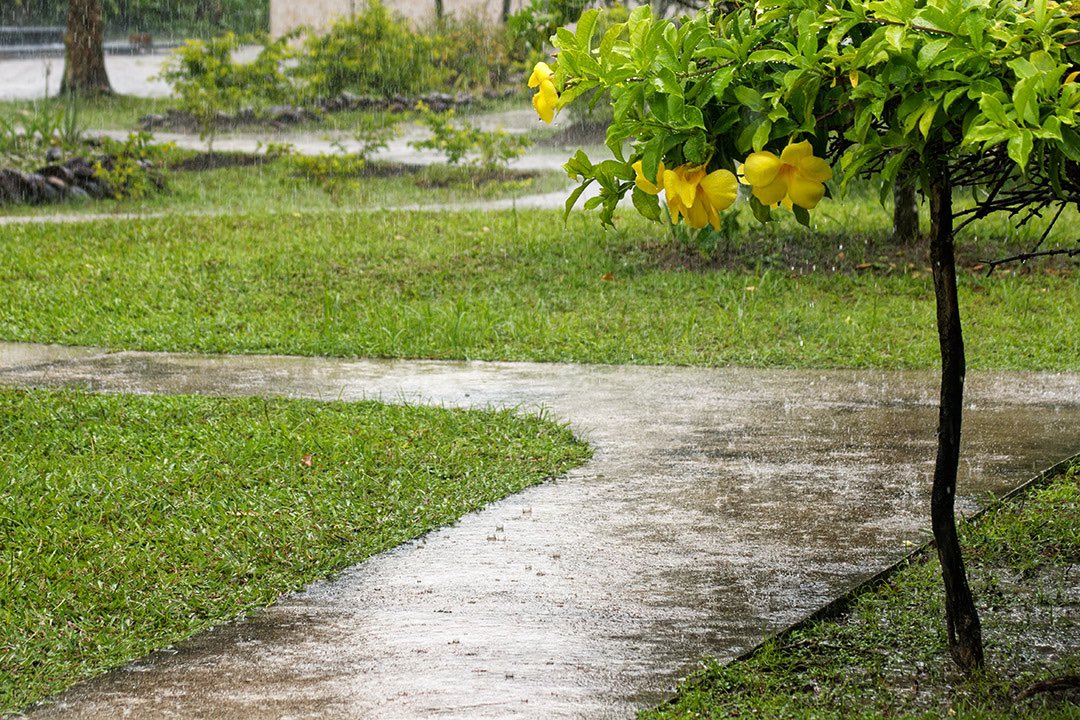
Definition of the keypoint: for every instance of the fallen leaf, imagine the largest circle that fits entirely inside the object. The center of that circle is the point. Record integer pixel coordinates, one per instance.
(306, 460)
(607, 277)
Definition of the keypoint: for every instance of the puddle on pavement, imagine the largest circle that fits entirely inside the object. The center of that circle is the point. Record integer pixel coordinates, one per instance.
(721, 505)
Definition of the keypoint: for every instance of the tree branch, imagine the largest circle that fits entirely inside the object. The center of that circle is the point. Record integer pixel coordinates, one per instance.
(1024, 257)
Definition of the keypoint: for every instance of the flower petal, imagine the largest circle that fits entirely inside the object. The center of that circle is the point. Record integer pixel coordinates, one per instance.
(677, 184)
(642, 182)
(545, 100)
(540, 73)
(805, 193)
(772, 193)
(761, 168)
(794, 153)
(721, 188)
(698, 217)
(813, 168)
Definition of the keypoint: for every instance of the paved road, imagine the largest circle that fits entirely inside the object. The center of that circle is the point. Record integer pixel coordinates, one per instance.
(721, 505)
(28, 78)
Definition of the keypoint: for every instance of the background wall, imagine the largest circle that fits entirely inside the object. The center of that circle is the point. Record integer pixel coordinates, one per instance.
(319, 14)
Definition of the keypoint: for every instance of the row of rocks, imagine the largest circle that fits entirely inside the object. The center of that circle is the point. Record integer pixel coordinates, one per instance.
(74, 179)
(281, 115)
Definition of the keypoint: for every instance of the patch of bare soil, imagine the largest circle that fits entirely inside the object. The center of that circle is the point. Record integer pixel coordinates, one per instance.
(218, 160)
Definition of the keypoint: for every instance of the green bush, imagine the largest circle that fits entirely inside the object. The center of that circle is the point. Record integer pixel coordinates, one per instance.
(470, 51)
(134, 168)
(371, 53)
(204, 76)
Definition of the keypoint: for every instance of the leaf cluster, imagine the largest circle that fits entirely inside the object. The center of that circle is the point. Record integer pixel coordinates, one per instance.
(881, 86)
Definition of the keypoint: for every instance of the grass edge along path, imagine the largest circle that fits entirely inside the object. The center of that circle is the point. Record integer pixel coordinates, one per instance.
(512, 286)
(881, 652)
(128, 523)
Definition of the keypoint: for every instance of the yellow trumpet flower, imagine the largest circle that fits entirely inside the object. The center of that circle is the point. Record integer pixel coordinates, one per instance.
(797, 176)
(691, 193)
(546, 97)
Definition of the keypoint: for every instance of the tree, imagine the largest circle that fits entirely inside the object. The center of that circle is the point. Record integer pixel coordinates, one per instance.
(84, 50)
(947, 93)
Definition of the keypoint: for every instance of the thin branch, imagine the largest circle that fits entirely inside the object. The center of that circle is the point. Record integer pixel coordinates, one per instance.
(1049, 227)
(1024, 257)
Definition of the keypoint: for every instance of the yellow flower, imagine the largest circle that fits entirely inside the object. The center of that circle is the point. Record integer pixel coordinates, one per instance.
(692, 193)
(650, 186)
(796, 176)
(546, 96)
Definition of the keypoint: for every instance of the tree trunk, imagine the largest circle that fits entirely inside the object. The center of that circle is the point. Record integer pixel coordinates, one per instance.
(506, 10)
(962, 619)
(438, 9)
(84, 44)
(905, 211)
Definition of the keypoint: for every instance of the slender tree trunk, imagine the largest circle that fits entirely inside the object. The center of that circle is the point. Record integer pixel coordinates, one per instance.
(905, 211)
(962, 619)
(84, 44)
(506, 10)
(439, 9)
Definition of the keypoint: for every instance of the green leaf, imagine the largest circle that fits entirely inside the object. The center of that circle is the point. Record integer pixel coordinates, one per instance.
(586, 26)
(927, 120)
(695, 149)
(749, 97)
(720, 81)
(761, 212)
(894, 35)
(579, 166)
(929, 52)
(651, 156)
(1019, 148)
(761, 135)
(993, 109)
(764, 56)
(647, 205)
(572, 200)
(802, 215)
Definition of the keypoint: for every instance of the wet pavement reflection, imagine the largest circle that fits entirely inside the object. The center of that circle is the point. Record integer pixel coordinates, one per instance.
(721, 505)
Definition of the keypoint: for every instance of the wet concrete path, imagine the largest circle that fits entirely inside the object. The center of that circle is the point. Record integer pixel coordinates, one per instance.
(721, 505)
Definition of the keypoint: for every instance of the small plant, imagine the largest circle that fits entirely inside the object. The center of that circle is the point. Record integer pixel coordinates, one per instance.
(208, 82)
(373, 133)
(133, 169)
(26, 134)
(464, 143)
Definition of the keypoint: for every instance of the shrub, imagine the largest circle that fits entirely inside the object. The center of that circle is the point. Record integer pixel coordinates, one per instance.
(207, 80)
(469, 51)
(133, 168)
(371, 53)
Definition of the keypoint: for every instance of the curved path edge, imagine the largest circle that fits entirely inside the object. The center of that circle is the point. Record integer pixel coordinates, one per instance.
(721, 506)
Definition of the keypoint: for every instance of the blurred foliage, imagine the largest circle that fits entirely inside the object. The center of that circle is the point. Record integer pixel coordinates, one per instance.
(207, 80)
(191, 18)
(469, 51)
(27, 135)
(462, 142)
(373, 52)
(134, 168)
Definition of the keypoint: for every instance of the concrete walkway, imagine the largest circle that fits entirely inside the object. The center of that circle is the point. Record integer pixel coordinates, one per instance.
(721, 505)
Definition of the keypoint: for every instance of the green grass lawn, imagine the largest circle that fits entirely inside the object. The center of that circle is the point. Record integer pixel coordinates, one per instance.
(522, 286)
(128, 523)
(888, 658)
